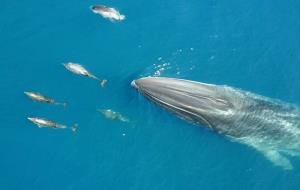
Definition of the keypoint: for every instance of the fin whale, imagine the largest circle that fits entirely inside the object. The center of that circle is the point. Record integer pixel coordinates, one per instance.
(270, 126)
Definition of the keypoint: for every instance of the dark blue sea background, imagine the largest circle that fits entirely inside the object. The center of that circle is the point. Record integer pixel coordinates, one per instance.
(251, 45)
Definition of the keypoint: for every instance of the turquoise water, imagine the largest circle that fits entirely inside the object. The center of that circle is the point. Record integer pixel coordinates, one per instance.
(251, 45)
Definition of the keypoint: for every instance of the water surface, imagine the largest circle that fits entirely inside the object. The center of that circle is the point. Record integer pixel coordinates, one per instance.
(251, 45)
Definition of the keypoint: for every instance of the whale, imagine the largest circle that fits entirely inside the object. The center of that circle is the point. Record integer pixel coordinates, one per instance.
(268, 125)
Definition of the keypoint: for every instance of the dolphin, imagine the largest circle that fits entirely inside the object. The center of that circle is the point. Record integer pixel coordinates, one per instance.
(80, 70)
(110, 114)
(107, 12)
(46, 123)
(42, 122)
(270, 126)
(35, 96)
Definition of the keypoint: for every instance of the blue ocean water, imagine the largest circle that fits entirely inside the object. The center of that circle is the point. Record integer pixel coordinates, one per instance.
(253, 45)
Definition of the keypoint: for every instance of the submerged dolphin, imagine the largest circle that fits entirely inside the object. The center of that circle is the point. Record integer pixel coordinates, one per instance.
(270, 126)
(110, 114)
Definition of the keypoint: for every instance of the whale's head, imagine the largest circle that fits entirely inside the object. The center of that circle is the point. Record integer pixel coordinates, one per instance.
(196, 102)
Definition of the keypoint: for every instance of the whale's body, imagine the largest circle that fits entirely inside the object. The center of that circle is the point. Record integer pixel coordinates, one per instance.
(270, 126)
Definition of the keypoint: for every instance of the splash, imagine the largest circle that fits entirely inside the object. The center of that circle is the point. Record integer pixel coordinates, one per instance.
(178, 64)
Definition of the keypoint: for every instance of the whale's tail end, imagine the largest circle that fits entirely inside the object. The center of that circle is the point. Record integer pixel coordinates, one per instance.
(271, 154)
(278, 159)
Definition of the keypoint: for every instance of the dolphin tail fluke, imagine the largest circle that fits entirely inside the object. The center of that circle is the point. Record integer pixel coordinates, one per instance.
(61, 104)
(122, 17)
(65, 104)
(103, 82)
(74, 128)
(123, 119)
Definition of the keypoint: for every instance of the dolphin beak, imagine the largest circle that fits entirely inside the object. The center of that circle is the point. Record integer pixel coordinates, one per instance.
(30, 119)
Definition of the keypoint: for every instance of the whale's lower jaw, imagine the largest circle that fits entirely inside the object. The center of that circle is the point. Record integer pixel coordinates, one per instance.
(183, 114)
(204, 104)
